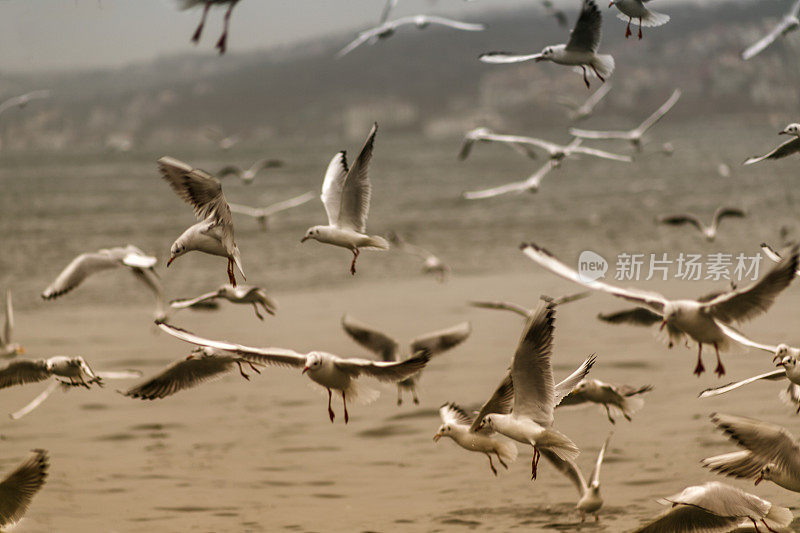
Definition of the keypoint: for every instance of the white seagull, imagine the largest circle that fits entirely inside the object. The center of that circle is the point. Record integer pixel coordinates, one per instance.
(770, 452)
(249, 174)
(73, 371)
(214, 233)
(223, 141)
(243, 294)
(635, 9)
(709, 232)
(716, 507)
(23, 99)
(789, 23)
(580, 51)
(263, 214)
(526, 312)
(483, 134)
(463, 428)
(635, 135)
(330, 371)
(388, 349)
(784, 356)
(431, 264)
(139, 264)
(530, 184)
(690, 318)
(623, 399)
(772, 255)
(586, 109)
(535, 393)
(790, 147)
(201, 366)
(556, 152)
(590, 499)
(346, 194)
(19, 487)
(223, 39)
(387, 29)
(8, 348)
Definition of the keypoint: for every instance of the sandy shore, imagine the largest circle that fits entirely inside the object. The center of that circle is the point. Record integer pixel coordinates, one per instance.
(262, 455)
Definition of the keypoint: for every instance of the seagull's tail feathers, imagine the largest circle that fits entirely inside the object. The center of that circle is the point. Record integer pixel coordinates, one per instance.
(604, 65)
(377, 242)
(778, 518)
(559, 444)
(632, 405)
(507, 450)
(652, 20)
(791, 396)
(360, 393)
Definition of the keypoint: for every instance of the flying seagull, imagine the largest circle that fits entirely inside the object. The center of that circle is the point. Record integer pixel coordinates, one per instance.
(330, 371)
(19, 487)
(387, 29)
(709, 232)
(139, 264)
(690, 318)
(790, 147)
(23, 99)
(346, 194)
(223, 39)
(243, 294)
(530, 184)
(580, 51)
(624, 399)
(635, 9)
(586, 109)
(431, 264)
(590, 499)
(526, 312)
(635, 135)
(248, 175)
(214, 233)
(263, 214)
(789, 23)
(483, 134)
(388, 349)
(556, 152)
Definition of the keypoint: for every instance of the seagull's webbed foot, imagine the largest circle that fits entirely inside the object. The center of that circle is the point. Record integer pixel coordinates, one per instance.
(720, 370)
(353, 263)
(231, 275)
(491, 465)
(414, 396)
(699, 369)
(222, 44)
(628, 29)
(599, 77)
(245, 376)
(253, 367)
(199, 31)
(255, 308)
(501, 460)
(331, 414)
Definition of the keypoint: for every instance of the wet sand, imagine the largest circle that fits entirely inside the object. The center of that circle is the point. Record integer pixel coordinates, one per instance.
(262, 455)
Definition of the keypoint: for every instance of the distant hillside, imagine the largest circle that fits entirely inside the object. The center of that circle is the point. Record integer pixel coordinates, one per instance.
(418, 81)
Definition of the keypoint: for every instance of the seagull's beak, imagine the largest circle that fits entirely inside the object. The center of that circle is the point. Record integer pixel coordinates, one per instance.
(304, 239)
(538, 59)
(759, 479)
(21, 350)
(305, 369)
(437, 437)
(170, 260)
(783, 132)
(611, 3)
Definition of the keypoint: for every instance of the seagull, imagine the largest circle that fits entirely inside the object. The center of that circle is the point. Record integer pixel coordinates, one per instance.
(556, 152)
(526, 312)
(535, 394)
(772, 255)
(784, 355)
(709, 232)
(790, 147)
(223, 39)
(431, 264)
(622, 398)
(580, 51)
(635, 9)
(770, 452)
(387, 29)
(463, 429)
(716, 507)
(345, 194)
(531, 184)
(248, 175)
(590, 500)
(635, 135)
(9, 349)
(330, 371)
(139, 264)
(690, 318)
(263, 214)
(789, 23)
(224, 142)
(214, 233)
(384, 346)
(19, 487)
(23, 99)
(73, 371)
(586, 109)
(243, 294)
(484, 135)
(202, 365)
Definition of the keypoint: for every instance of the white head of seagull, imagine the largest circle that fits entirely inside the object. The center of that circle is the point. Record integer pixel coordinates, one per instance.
(791, 129)
(580, 51)
(346, 195)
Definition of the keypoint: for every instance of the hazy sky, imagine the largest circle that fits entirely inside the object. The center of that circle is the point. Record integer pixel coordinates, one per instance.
(41, 35)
